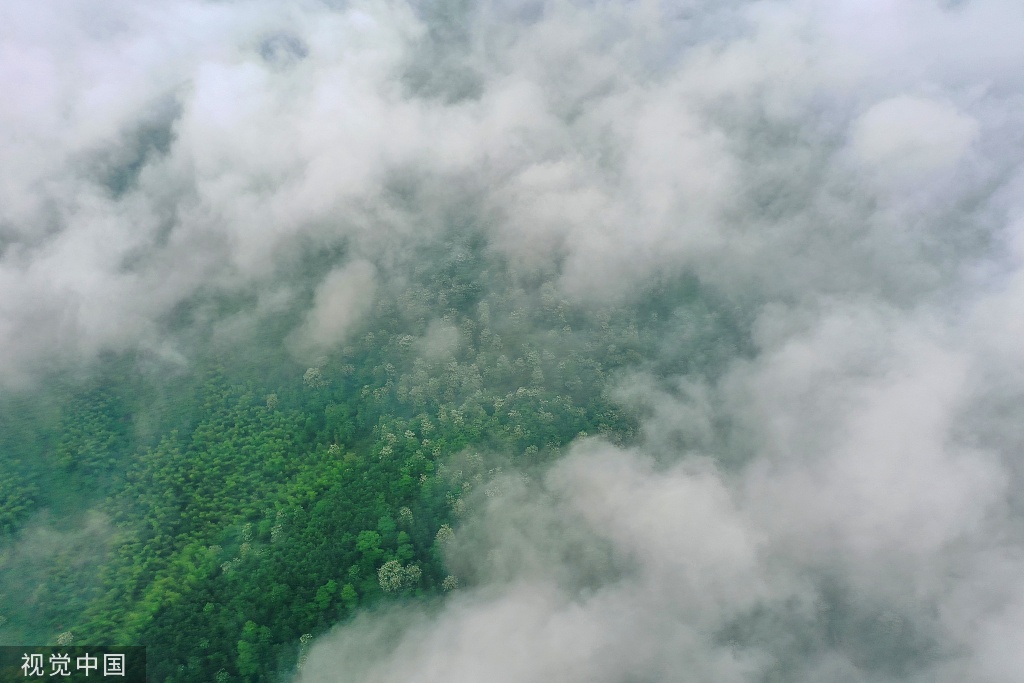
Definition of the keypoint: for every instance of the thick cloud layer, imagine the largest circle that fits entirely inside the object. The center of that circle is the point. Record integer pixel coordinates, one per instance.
(874, 534)
(847, 172)
(156, 154)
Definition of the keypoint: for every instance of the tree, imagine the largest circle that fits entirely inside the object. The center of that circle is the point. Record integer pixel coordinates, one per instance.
(393, 577)
(324, 594)
(349, 597)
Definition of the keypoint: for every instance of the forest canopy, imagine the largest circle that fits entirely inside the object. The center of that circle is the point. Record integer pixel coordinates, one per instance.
(515, 340)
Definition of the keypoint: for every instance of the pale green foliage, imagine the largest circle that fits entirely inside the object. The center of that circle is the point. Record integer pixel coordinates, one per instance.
(457, 504)
(314, 379)
(444, 535)
(392, 576)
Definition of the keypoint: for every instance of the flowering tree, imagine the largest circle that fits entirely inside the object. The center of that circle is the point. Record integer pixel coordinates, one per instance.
(393, 577)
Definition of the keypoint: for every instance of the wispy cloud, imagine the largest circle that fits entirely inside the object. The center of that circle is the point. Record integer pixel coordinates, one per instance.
(846, 173)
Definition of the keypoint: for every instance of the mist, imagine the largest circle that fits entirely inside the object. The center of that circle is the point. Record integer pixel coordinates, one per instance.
(838, 501)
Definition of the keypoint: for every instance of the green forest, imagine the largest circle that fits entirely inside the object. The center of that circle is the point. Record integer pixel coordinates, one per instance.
(513, 341)
(226, 512)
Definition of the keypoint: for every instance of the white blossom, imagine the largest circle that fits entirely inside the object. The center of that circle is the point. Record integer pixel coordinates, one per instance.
(314, 378)
(392, 576)
(444, 535)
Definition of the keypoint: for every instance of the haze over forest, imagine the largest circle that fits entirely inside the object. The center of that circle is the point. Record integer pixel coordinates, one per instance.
(514, 341)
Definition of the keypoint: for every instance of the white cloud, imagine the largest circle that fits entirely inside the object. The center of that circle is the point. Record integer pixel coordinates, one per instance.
(342, 299)
(907, 139)
(843, 171)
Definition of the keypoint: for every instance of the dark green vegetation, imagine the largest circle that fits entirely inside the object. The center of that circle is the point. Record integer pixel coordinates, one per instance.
(220, 515)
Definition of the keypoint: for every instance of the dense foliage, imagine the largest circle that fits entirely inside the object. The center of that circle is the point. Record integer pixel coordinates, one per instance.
(225, 514)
